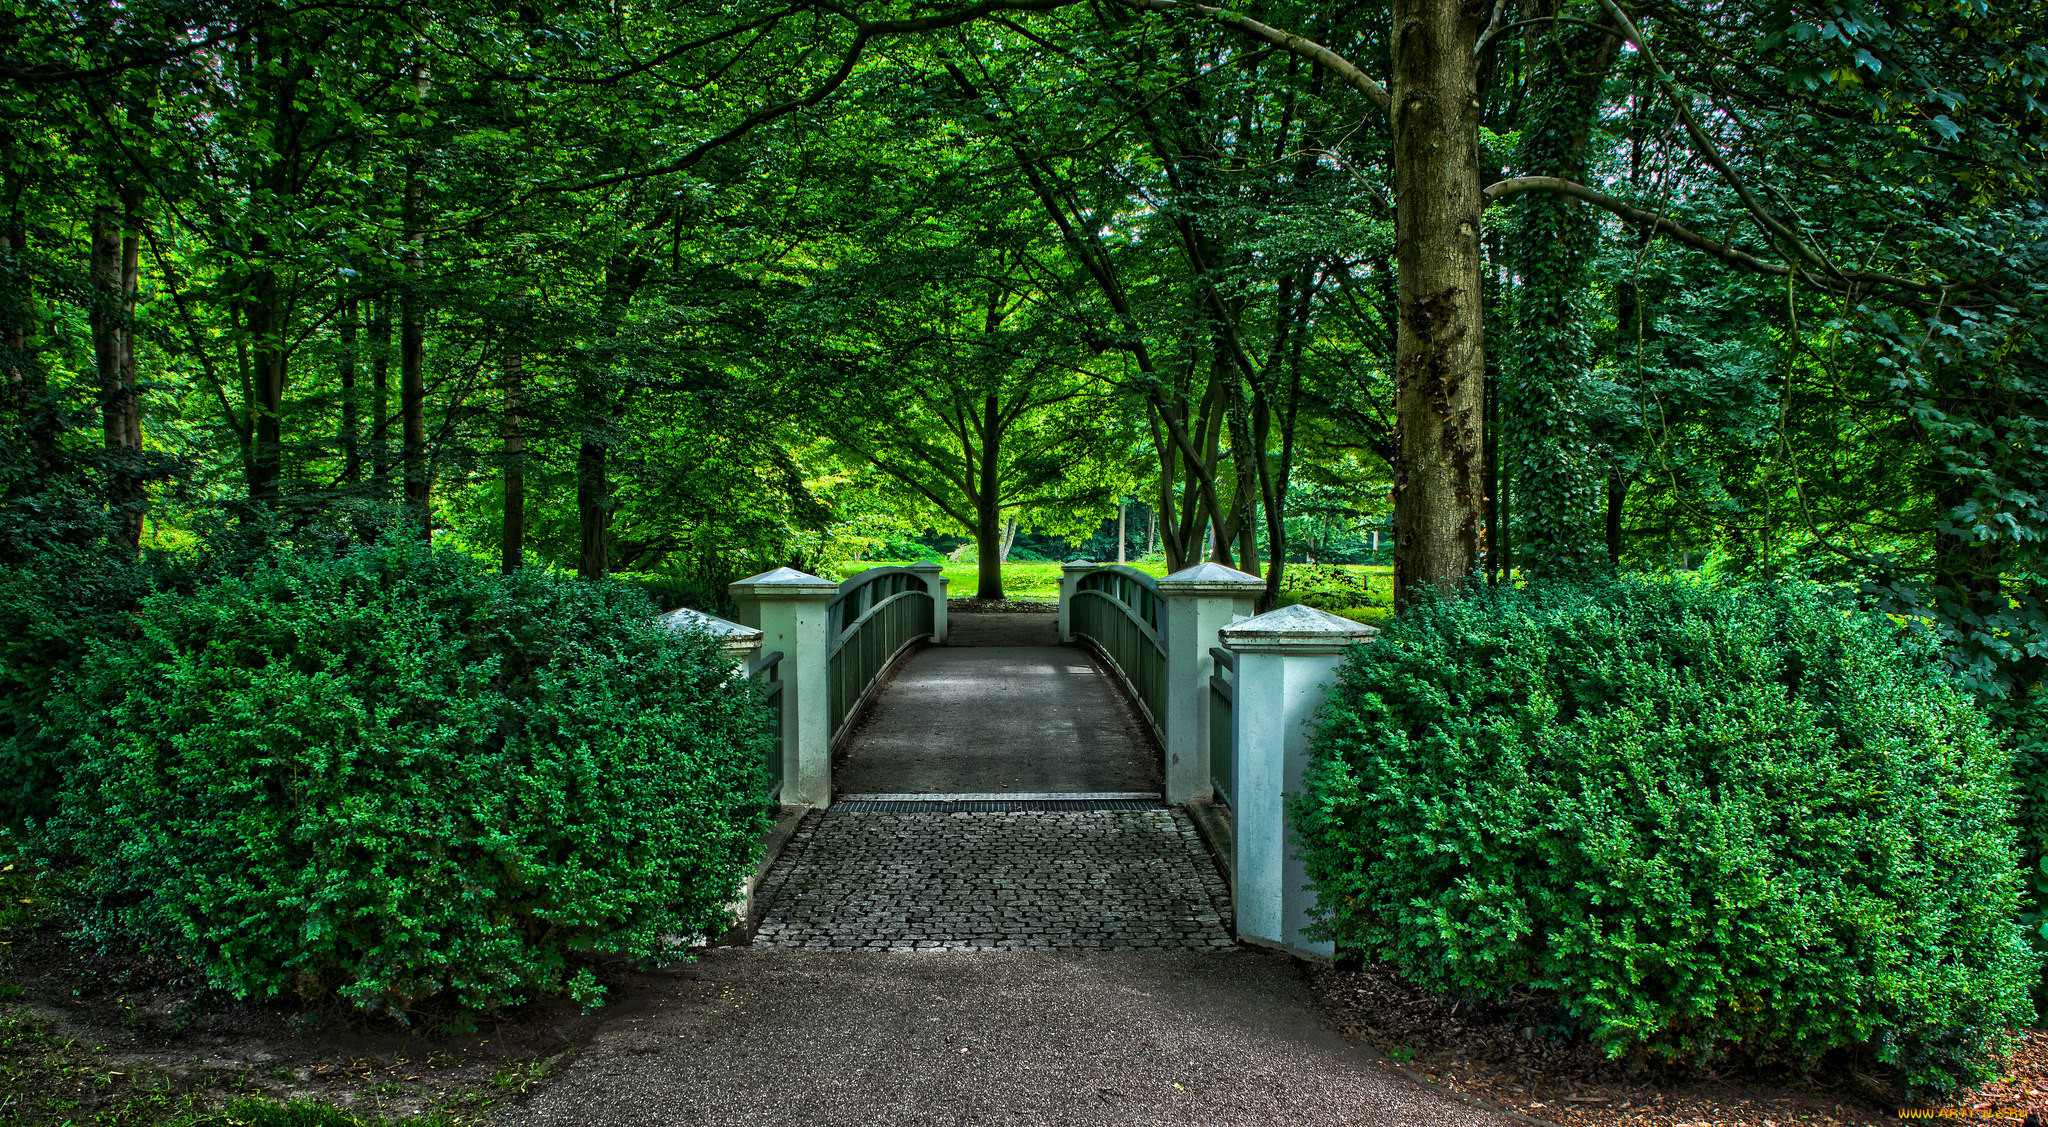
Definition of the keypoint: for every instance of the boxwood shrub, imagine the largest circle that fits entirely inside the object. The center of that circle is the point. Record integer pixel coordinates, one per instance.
(1718, 823)
(397, 778)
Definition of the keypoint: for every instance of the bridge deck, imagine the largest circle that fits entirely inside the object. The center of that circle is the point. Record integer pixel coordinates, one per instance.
(997, 718)
(988, 715)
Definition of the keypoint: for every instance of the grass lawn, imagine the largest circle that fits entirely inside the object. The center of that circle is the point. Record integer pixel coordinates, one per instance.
(1362, 592)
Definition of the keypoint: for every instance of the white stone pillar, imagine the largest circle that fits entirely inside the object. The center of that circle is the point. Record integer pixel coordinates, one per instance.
(788, 608)
(1070, 578)
(741, 643)
(1285, 658)
(1200, 600)
(935, 583)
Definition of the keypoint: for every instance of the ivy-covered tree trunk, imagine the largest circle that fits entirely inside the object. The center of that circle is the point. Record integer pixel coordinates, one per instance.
(1548, 441)
(1440, 355)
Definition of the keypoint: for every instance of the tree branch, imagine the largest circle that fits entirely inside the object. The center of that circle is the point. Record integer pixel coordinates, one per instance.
(1710, 152)
(864, 31)
(1337, 64)
(1835, 281)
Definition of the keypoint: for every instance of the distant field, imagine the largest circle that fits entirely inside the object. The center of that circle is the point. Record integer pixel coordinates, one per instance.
(1362, 592)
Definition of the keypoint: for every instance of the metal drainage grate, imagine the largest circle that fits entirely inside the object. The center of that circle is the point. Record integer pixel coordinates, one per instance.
(994, 805)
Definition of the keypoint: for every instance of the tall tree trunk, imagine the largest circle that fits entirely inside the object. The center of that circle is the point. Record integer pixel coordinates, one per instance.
(263, 310)
(412, 331)
(23, 381)
(351, 423)
(412, 385)
(988, 507)
(512, 431)
(1490, 475)
(593, 506)
(1122, 529)
(129, 493)
(988, 550)
(103, 317)
(1440, 355)
(1617, 495)
(1172, 543)
(380, 396)
(1245, 456)
(111, 320)
(1276, 491)
(266, 461)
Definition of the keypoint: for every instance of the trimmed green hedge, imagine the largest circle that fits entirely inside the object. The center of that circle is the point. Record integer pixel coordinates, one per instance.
(396, 778)
(1718, 823)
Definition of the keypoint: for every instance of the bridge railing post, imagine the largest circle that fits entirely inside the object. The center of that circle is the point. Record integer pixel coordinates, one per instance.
(788, 607)
(1070, 578)
(935, 583)
(1200, 600)
(1285, 659)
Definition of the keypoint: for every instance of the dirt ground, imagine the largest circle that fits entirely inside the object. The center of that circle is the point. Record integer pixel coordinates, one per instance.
(127, 1040)
(1511, 1055)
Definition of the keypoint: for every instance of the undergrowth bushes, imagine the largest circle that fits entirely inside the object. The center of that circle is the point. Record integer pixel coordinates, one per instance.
(51, 610)
(1717, 823)
(393, 777)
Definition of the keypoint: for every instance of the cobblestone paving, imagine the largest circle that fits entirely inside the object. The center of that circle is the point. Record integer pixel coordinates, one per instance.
(1032, 878)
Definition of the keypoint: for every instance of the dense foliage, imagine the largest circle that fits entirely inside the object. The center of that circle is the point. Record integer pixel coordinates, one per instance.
(396, 778)
(1749, 823)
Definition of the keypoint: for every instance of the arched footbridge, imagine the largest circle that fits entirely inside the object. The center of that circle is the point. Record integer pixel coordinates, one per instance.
(1112, 775)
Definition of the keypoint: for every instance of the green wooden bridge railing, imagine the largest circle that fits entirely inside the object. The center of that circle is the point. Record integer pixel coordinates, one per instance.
(877, 615)
(1223, 723)
(1120, 612)
(767, 670)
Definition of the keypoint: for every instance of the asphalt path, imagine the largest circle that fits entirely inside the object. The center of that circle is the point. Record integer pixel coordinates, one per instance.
(763, 1038)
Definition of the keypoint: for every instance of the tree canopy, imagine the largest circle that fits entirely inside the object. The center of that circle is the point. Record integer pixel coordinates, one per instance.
(1560, 285)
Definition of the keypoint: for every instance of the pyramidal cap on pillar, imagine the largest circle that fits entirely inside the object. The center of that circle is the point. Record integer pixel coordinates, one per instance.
(688, 619)
(733, 636)
(782, 583)
(1210, 578)
(1296, 629)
